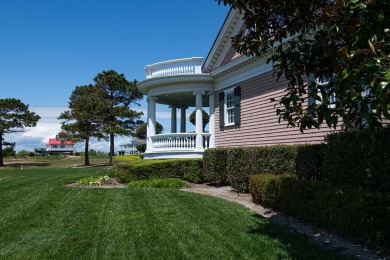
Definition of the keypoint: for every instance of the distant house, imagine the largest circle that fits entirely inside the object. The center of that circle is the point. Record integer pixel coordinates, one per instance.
(130, 148)
(237, 90)
(57, 146)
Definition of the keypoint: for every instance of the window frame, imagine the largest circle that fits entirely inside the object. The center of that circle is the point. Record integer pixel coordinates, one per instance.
(227, 92)
(332, 98)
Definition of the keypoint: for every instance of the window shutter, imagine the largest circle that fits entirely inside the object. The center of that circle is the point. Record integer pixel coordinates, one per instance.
(237, 107)
(221, 109)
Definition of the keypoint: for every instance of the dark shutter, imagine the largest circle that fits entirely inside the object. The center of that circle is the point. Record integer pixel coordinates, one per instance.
(237, 107)
(221, 109)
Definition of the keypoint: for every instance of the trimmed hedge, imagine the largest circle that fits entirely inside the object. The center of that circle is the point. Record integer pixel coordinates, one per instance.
(359, 158)
(234, 166)
(130, 169)
(360, 215)
(214, 166)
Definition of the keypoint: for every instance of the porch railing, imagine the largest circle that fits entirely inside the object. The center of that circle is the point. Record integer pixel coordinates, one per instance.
(178, 141)
(174, 67)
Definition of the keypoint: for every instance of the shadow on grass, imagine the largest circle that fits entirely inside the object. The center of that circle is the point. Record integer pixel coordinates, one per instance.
(27, 164)
(92, 165)
(292, 242)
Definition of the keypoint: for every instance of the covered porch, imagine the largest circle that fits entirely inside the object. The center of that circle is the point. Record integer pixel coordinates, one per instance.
(179, 84)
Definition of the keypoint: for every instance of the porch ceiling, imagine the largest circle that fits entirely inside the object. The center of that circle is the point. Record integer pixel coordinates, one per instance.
(181, 98)
(178, 89)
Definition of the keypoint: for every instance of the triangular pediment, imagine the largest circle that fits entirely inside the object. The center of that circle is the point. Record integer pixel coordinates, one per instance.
(222, 51)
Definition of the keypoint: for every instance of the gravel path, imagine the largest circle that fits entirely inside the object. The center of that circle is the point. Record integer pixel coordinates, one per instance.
(315, 234)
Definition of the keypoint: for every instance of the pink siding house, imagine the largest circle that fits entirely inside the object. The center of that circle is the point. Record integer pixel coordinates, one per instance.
(235, 88)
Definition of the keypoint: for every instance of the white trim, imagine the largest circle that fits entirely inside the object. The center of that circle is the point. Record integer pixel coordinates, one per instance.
(237, 72)
(225, 110)
(223, 38)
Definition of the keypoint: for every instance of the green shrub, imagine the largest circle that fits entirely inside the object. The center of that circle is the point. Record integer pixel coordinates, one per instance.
(214, 166)
(131, 169)
(360, 158)
(141, 148)
(360, 215)
(244, 162)
(265, 188)
(169, 183)
(234, 166)
(310, 162)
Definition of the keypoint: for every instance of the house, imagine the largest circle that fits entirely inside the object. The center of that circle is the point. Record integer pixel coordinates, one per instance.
(131, 147)
(236, 89)
(57, 146)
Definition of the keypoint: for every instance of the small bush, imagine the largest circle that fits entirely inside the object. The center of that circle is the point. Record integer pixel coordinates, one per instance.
(360, 215)
(93, 181)
(169, 183)
(141, 148)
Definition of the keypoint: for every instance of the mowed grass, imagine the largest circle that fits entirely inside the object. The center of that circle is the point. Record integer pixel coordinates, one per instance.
(41, 218)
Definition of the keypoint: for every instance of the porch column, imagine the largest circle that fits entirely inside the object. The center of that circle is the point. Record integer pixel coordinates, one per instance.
(183, 119)
(198, 120)
(151, 125)
(173, 119)
(211, 119)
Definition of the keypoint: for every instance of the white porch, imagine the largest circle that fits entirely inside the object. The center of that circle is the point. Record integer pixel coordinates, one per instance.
(178, 84)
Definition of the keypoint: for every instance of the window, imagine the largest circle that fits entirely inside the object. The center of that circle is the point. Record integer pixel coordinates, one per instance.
(324, 81)
(229, 107)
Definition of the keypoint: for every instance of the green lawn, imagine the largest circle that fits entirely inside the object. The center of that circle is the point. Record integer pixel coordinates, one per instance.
(40, 218)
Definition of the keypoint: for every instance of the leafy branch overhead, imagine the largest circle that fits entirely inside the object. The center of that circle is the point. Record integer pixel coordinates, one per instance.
(345, 41)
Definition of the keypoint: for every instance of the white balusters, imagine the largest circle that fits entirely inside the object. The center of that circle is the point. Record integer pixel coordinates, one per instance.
(174, 67)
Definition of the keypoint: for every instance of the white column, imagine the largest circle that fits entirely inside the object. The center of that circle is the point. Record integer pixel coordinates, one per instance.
(183, 119)
(151, 125)
(212, 119)
(173, 119)
(198, 120)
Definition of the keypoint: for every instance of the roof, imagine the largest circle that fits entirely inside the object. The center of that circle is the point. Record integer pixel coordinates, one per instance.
(53, 141)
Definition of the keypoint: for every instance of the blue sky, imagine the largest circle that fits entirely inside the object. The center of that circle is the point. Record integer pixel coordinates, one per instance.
(47, 48)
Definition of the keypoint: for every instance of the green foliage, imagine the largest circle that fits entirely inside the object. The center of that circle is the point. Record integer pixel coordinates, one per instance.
(23, 153)
(31, 154)
(235, 165)
(205, 118)
(346, 41)
(93, 181)
(359, 158)
(9, 152)
(132, 169)
(168, 183)
(82, 121)
(14, 117)
(141, 148)
(116, 96)
(265, 188)
(215, 165)
(92, 152)
(360, 215)
(141, 130)
(310, 162)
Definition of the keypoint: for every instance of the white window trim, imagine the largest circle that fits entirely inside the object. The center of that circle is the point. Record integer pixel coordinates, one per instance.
(225, 110)
(319, 83)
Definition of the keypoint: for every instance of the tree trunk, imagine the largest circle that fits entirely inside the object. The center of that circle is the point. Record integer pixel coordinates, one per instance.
(111, 147)
(86, 151)
(1, 150)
